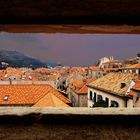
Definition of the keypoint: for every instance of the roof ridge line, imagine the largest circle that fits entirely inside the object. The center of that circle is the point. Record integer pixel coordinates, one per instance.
(50, 94)
(42, 96)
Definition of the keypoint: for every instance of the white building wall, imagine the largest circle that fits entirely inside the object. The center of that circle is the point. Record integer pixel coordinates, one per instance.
(130, 103)
(137, 71)
(15, 82)
(120, 100)
(103, 60)
(4, 82)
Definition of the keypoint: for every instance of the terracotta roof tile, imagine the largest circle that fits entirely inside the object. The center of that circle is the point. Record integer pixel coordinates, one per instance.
(110, 69)
(60, 96)
(50, 100)
(84, 88)
(112, 82)
(27, 94)
(131, 93)
(135, 66)
(90, 80)
(137, 86)
(77, 82)
(94, 68)
(53, 77)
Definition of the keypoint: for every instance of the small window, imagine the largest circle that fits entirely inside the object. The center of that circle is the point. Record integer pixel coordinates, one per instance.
(133, 71)
(114, 104)
(90, 95)
(94, 99)
(6, 97)
(107, 101)
(99, 98)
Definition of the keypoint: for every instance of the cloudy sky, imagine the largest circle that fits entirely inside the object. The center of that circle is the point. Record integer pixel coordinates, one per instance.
(71, 49)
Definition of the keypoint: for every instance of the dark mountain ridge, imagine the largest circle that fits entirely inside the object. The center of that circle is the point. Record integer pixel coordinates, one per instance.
(18, 59)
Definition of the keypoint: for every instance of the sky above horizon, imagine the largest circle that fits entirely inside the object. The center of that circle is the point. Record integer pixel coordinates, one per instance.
(72, 49)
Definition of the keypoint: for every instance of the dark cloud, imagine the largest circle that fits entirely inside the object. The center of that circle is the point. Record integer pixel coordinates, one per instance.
(72, 49)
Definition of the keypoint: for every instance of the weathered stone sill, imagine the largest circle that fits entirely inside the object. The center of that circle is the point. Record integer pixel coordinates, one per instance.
(20, 123)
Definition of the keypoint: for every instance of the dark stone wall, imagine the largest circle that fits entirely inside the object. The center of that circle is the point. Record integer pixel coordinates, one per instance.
(70, 11)
(18, 123)
(69, 132)
(70, 8)
(70, 127)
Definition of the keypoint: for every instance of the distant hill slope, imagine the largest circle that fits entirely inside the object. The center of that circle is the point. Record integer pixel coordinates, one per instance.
(17, 59)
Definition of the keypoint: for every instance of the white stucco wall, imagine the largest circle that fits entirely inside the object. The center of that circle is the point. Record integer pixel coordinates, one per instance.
(132, 71)
(104, 60)
(4, 82)
(130, 103)
(137, 71)
(120, 100)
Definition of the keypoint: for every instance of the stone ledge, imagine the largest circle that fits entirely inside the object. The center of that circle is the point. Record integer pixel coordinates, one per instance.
(20, 123)
(79, 28)
(51, 115)
(21, 111)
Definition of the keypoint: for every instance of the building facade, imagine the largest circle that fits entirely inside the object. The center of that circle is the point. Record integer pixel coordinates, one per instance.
(112, 100)
(112, 90)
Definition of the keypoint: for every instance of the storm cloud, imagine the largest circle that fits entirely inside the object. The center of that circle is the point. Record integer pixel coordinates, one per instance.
(72, 49)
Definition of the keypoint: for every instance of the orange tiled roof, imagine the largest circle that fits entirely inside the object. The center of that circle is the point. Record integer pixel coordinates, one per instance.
(112, 82)
(53, 77)
(90, 80)
(84, 89)
(131, 93)
(137, 86)
(2, 73)
(13, 70)
(135, 66)
(51, 101)
(27, 94)
(60, 96)
(94, 68)
(42, 70)
(109, 69)
(77, 82)
(81, 72)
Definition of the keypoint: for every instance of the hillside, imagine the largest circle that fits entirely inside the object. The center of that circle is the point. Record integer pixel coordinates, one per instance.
(17, 59)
